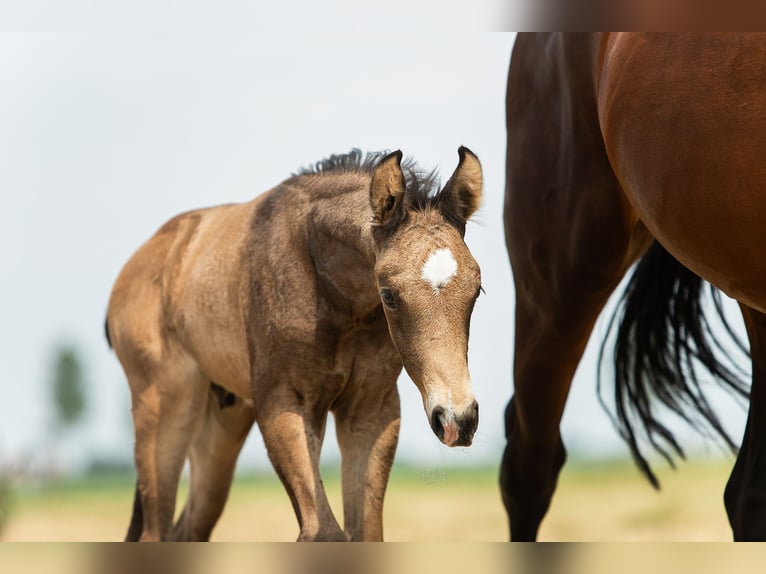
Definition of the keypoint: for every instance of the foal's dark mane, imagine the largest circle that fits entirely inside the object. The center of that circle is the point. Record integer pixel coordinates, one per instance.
(422, 187)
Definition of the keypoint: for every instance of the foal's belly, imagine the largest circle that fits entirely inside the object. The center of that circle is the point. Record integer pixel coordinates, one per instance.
(228, 368)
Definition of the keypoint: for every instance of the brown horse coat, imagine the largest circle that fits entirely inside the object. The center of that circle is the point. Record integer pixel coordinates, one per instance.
(615, 141)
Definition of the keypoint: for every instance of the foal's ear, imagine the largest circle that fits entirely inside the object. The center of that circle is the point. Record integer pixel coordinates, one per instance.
(461, 196)
(387, 188)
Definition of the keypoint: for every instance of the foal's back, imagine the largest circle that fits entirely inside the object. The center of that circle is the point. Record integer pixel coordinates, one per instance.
(186, 296)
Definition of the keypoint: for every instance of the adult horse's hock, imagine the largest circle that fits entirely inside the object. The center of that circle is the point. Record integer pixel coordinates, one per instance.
(626, 148)
(304, 301)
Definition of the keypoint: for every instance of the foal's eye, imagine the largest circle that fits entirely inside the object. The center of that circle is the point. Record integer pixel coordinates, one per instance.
(388, 298)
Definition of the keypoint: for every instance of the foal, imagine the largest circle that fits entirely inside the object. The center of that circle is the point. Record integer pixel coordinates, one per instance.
(304, 301)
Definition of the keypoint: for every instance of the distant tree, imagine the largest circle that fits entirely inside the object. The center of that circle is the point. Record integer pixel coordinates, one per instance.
(6, 495)
(68, 387)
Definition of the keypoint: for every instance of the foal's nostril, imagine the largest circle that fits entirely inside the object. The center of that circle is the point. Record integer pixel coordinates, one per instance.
(468, 425)
(475, 416)
(436, 421)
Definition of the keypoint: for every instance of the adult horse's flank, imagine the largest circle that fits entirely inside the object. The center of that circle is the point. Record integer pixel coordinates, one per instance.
(625, 148)
(306, 300)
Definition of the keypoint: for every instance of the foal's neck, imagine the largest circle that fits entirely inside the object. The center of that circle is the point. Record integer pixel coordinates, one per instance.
(341, 247)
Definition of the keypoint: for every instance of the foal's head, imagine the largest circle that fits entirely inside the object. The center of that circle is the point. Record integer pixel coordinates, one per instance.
(428, 283)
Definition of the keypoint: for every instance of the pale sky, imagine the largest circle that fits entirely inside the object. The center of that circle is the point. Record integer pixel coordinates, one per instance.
(104, 136)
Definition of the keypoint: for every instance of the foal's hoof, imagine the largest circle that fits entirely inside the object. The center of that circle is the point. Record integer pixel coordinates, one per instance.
(335, 535)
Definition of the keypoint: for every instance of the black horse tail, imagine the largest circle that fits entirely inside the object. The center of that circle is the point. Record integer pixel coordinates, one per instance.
(662, 339)
(106, 332)
(136, 519)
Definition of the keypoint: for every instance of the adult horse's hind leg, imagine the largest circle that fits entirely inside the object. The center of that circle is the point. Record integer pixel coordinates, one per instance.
(571, 236)
(212, 459)
(549, 343)
(555, 313)
(165, 413)
(745, 496)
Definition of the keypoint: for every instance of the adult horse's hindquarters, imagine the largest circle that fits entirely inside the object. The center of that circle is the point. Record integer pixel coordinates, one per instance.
(626, 147)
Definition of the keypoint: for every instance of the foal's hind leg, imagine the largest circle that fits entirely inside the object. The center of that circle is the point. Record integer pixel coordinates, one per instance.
(165, 413)
(212, 458)
(745, 495)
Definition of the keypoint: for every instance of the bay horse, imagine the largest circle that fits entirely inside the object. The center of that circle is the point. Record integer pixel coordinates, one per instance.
(643, 149)
(306, 300)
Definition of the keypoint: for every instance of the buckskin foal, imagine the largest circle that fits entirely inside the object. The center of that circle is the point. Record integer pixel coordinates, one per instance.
(304, 301)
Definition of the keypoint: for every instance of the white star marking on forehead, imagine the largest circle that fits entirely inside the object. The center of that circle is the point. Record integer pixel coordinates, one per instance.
(440, 268)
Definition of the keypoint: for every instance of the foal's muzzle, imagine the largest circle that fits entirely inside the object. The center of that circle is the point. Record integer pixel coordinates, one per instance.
(455, 430)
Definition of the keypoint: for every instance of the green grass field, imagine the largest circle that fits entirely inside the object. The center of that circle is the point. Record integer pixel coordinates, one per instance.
(602, 502)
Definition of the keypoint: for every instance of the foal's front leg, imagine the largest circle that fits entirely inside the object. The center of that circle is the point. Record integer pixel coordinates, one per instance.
(367, 426)
(293, 436)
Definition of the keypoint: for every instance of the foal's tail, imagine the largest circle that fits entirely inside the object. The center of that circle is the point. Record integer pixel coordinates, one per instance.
(106, 332)
(663, 336)
(136, 519)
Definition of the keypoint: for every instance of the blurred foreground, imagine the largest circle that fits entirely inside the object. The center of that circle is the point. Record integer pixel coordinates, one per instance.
(596, 502)
(338, 558)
